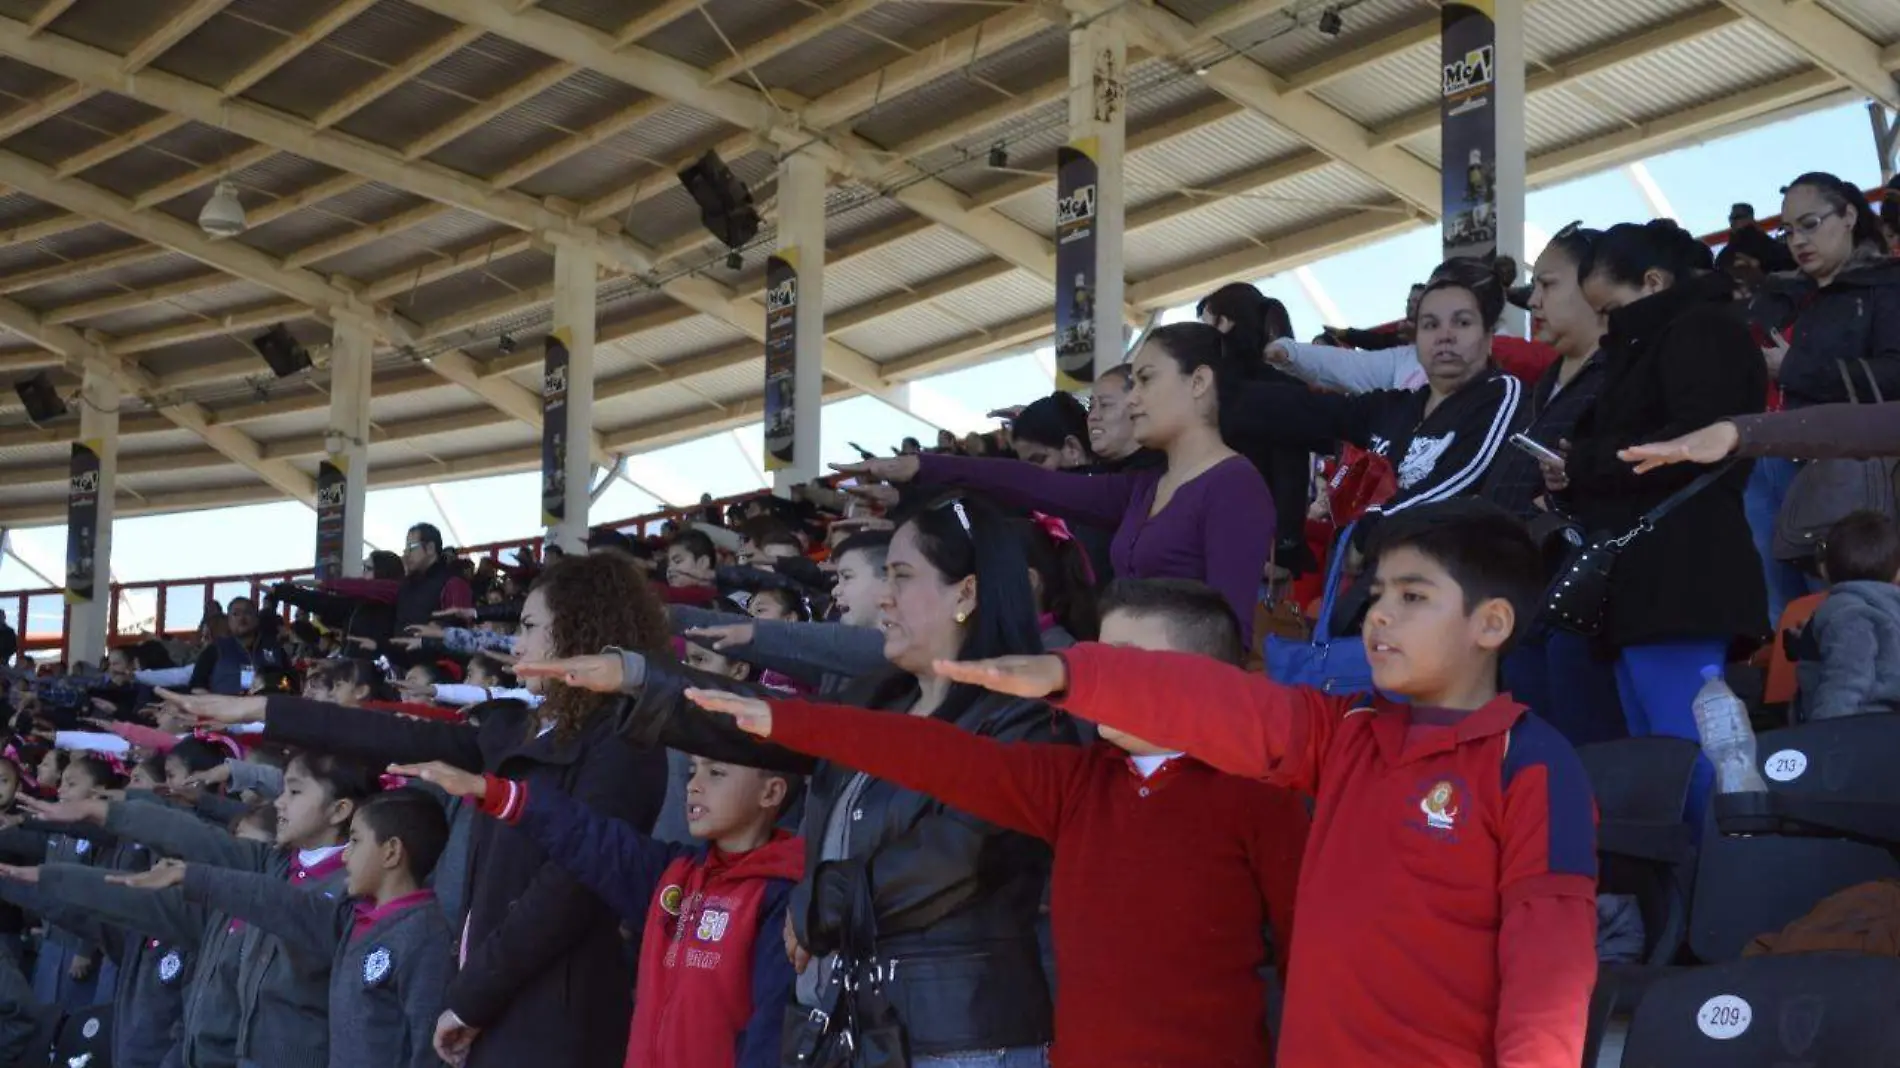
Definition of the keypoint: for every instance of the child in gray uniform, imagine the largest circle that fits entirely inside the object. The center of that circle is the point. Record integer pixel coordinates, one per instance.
(391, 948)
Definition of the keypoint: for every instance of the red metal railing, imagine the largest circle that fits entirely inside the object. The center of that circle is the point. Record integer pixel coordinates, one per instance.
(176, 607)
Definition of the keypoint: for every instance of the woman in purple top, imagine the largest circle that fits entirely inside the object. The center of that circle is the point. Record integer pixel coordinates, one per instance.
(1206, 516)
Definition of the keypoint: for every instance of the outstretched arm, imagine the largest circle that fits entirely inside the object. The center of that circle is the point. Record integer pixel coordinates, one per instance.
(306, 921)
(1241, 723)
(613, 858)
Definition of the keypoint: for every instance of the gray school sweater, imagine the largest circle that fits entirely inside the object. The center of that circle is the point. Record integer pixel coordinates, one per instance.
(211, 1013)
(153, 976)
(282, 994)
(389, 973)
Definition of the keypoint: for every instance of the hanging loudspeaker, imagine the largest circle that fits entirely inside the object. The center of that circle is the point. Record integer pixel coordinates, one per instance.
(725, 204)
(281, 350)
(40, 398)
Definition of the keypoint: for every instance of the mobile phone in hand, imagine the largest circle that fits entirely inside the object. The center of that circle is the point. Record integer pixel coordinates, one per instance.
(1539, 451)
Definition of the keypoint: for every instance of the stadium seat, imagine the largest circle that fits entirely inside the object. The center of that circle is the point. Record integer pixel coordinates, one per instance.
(1643, 844)
(1644, 849)
(1850, 757)
(1746, 886)
(1815, 1010)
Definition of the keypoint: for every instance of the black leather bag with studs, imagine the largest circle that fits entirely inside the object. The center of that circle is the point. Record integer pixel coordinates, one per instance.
(1578, 597)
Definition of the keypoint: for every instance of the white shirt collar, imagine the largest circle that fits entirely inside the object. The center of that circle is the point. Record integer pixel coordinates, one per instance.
(310, 858)
(1149, 763)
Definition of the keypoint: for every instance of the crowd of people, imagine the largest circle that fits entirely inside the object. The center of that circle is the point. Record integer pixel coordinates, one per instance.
(1229, 718)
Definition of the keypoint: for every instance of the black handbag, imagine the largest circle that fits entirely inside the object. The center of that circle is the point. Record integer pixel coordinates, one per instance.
(854, 1024)
(1578, 596)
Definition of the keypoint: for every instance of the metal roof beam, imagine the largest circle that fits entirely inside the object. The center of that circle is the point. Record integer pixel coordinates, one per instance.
(233, 444)
(296, 44)
(236, 259)
(751, 110)
(178, 25)
(1827, 41)
(31, 113)
(1249, 84)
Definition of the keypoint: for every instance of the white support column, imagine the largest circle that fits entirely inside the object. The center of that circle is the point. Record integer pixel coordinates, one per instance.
(1513, 154)
(801, 230)
(1098, 124)
(576, 271)
(99, 429)
(352, 348)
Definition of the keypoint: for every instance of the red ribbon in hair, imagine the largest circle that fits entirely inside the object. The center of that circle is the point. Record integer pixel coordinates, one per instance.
(1059, 532)
(223, 741)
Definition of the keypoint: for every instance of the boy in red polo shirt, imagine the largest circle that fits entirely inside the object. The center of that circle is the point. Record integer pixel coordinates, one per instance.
(1166, 874)
(1447, 909)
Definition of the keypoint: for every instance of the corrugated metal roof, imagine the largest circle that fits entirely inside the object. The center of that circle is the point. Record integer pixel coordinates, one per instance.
(859, 209)
(450, 229)
(878, 37)
(1290, 39)
(710, 35)
(1374, 96)
(1878, 19)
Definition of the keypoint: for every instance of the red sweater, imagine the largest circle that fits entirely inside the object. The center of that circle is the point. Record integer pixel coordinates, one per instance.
(1161, 888)
(1448, 893)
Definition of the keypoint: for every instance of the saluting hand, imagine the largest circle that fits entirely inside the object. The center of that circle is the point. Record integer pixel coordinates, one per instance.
(599, 672)
(451, 779)
(1018, 676)
(1709, 445)
(724, 636)
(882, 469)
(215, 707)
(751, 714)
(161, 876)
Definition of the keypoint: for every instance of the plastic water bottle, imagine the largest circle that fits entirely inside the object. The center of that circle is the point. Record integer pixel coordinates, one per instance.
(1727, 739)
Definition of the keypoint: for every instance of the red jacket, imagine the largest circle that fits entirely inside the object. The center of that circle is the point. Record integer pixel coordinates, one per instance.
(695, 980)
(1161, 885)
(1523, 360)
(1447, 901)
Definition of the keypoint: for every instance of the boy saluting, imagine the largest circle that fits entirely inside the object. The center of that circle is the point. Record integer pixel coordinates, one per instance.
(1446, 914)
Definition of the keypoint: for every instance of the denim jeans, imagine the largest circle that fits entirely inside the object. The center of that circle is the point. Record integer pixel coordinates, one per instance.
(1016, 1057)
(1557, 674)
(1767, 488)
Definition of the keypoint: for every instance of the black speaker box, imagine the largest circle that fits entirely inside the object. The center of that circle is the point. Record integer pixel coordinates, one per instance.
(725, 204)
(40, 398)
(281, 350)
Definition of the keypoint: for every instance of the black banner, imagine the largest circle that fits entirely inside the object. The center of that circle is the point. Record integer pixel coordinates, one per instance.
(332, 506)
(1468, 130)
(781, 359)
(1076, 185)
(82, 522)
(554, 430)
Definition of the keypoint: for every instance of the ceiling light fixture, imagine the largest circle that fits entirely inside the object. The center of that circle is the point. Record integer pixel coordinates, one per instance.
(223, 214)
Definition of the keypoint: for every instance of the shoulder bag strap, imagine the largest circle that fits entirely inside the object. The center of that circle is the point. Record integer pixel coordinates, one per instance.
(1675, 500)
(1334, 569)
(1847, 379)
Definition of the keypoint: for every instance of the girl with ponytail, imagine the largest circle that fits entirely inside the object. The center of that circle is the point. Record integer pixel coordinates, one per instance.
(1206, 516)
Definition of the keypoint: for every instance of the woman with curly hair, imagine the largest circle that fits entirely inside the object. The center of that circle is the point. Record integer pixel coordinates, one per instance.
(542, 979)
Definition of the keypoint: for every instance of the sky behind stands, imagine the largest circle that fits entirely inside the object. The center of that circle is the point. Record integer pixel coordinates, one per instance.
(1365, 286)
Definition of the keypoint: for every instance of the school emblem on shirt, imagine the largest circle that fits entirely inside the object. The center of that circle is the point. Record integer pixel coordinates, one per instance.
(376, 966)
(91, 1028)
(1440, 805)
(82, 847)
(670, 899)
(712, 925)
(169, 966)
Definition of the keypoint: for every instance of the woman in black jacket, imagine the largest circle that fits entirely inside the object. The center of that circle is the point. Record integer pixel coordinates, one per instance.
(956, 899)
(1677, 357)
(1830, 334)
(543, 979)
